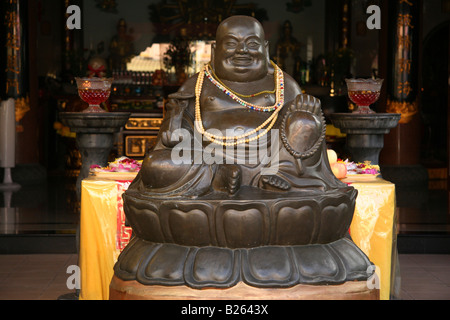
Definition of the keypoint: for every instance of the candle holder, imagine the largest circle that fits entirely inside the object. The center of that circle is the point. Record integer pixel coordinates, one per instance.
(364, 127)
(94, 91)
(364, 92)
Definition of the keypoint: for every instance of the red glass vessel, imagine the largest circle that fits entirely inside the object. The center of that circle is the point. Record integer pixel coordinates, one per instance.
(94, 91)
(94, 96)
(364, 97)
(364, 92)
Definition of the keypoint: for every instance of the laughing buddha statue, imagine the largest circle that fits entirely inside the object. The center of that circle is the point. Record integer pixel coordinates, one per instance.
(238, 189)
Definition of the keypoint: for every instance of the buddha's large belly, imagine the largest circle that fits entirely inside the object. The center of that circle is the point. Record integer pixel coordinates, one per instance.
(235, 121)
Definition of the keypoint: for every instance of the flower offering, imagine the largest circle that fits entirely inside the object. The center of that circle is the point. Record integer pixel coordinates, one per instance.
(361, 168)
(122, 164)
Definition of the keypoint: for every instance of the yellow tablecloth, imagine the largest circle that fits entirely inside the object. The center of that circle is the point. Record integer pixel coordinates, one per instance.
(373, 226)
(103, 234)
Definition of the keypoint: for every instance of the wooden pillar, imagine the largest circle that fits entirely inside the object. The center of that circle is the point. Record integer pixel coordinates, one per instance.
(338, 37)
(72, 65)
(402, 144)
(448, 117)
(18, 75)
(14, 62)
(345, 28)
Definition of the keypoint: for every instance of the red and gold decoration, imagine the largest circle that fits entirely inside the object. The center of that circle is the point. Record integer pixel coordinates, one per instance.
(13, 58)
(406, 109)
(22, 107)
(123, 234)
(402, 94)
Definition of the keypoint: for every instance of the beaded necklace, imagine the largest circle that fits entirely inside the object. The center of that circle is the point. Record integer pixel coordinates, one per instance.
(216, 78)
(279, 87)
(244, 138)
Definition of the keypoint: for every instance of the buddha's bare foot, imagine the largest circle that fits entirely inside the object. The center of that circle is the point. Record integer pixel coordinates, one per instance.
(227, 179)
(233, 179)
(270, 182)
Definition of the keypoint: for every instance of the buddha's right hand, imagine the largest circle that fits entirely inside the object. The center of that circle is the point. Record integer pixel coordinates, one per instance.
(166, 139)
(175, 108)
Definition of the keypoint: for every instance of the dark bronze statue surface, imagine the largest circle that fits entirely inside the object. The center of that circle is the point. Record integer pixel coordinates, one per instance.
(207, 211)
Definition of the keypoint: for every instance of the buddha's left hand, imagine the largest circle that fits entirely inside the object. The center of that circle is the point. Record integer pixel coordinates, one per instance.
(307, 103)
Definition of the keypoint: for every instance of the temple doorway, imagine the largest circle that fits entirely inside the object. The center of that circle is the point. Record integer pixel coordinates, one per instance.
(435, 104)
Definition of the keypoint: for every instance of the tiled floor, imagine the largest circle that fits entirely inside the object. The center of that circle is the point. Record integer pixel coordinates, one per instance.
(44, 277)
(34, 277)
(424, 277)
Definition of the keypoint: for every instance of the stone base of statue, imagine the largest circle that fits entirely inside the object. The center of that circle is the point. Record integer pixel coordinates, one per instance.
(133, 290)
(336, 271)
(268, 248)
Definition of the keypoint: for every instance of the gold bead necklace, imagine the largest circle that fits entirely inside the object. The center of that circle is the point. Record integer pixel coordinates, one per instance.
(244, 138)
(279, 84)
(214, 76)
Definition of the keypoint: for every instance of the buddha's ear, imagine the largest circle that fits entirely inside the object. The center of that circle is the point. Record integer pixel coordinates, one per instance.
(266, 46)
(213, 51)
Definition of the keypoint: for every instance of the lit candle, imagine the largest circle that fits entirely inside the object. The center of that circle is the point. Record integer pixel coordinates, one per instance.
(7, 134)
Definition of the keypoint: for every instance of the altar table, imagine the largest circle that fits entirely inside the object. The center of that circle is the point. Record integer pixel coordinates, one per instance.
(373, 228)
(103, 233)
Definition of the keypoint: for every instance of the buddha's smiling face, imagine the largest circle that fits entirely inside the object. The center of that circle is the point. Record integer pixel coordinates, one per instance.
(241, 52)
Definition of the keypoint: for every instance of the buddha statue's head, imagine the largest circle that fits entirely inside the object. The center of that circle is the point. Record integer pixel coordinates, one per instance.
(240, 52)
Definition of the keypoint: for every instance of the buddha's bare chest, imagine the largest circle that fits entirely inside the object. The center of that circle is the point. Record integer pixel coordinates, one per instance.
(223, 113)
